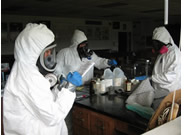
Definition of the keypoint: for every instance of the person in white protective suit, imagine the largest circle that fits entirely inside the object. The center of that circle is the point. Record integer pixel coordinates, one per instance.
(166, 73)
(71, 58)
(30, 107)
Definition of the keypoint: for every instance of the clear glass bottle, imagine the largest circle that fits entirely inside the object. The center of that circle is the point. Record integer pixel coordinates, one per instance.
(146, 67)
(135, 70)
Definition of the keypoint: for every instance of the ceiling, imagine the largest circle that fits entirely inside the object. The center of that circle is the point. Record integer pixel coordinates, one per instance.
(123, 10)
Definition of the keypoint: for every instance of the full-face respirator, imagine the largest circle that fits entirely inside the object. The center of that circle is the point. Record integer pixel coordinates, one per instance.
(47, 63)
(47, 60)
(83, 50)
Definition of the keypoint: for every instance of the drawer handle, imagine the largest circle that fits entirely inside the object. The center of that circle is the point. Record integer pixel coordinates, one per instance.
(80, 119)
(100, 127)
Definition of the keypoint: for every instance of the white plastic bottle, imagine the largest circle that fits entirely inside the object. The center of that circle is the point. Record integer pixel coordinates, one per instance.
(108, 78)
(119, 79)
(102, 87)
(98, 86)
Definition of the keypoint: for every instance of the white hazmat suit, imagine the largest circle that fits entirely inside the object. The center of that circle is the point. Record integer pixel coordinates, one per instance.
(167, 69)
(29, 105)
(68, 59)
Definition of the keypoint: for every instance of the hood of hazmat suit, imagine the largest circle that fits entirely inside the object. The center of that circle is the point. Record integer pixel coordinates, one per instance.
(30, 107)
(167, 69)
(68, 59)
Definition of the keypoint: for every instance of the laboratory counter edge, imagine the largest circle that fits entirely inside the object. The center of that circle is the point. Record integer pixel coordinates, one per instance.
(112, 106)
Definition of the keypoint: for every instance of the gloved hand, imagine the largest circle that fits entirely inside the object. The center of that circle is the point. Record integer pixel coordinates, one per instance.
(112, 62)
(75, 78)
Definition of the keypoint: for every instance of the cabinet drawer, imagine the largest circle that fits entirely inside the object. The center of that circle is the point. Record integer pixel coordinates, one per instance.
(81, 117)
(126, 128)
(101, 125)
(78, 130)
(121, 126)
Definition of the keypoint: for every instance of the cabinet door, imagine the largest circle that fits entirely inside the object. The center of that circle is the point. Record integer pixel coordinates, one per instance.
(81, 117)
(101, 125)
(127, 129)
(78, 130)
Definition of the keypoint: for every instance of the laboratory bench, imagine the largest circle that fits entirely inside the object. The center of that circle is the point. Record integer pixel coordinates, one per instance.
(105, 115)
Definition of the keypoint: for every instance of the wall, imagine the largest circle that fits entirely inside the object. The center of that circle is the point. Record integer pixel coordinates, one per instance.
(142, 34)
(102, 36)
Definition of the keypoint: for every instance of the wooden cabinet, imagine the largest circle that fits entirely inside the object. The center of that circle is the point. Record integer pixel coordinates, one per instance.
(101, 124)
(122, 128)
(81, 121)
(88, 122)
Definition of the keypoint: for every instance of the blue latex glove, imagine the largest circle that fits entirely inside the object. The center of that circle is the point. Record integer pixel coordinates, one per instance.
(141, 77)
(112, 62)
(75, 78)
